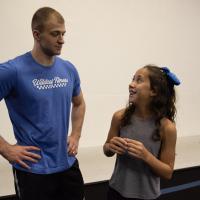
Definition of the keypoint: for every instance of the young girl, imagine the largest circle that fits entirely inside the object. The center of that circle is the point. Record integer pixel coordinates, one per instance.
(143, 136)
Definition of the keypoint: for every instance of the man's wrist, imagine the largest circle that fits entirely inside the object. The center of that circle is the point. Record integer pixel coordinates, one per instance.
(4, 148)
(76, 135)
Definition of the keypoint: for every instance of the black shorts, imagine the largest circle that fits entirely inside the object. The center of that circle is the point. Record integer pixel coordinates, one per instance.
(67, 184)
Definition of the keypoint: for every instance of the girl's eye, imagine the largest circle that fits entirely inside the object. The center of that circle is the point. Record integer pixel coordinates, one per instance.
(139, 80)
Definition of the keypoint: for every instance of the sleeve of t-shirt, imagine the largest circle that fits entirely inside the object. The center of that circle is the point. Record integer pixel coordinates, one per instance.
(7, 79)
(77, 87)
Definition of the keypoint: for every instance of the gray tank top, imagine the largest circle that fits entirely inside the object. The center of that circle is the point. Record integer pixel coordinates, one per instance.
(132, 177)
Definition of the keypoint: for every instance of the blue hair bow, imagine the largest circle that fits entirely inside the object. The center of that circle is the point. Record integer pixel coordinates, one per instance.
(172, 77)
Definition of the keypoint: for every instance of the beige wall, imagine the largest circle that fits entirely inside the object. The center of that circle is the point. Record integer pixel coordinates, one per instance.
(108, 40)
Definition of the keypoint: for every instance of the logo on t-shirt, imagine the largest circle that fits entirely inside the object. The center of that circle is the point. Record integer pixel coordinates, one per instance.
(45, 84)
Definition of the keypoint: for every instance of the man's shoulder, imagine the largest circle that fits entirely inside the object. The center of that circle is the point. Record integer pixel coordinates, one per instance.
(67, 64)
(14, 61)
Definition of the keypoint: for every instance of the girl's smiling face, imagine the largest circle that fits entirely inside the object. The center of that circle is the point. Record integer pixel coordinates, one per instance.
(140, 88)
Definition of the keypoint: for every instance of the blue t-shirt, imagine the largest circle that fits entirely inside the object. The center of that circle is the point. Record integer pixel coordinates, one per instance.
(38, 99)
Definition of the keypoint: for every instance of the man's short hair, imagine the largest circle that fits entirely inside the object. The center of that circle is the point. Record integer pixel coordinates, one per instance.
(42, 15)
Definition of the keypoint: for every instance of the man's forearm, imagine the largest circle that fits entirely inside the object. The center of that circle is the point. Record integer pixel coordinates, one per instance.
(78, 113)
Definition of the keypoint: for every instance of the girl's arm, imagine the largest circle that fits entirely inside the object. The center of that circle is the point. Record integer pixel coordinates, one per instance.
(114, 143)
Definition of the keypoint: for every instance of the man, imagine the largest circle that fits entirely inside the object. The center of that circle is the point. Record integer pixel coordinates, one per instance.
(38, 88)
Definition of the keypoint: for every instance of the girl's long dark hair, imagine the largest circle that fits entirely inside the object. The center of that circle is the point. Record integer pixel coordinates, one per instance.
(162, 105)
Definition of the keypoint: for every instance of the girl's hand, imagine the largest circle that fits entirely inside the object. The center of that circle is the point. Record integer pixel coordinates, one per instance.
(118, 145)
(136, 149)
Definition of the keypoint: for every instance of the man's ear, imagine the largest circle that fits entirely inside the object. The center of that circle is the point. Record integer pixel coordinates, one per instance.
(36, 34)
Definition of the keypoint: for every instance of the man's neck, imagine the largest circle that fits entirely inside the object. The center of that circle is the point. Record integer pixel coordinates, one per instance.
(42, 58)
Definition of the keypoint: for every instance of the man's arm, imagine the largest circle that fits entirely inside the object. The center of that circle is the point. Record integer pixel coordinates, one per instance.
(18, 154)
(13, 153)
(77, 117)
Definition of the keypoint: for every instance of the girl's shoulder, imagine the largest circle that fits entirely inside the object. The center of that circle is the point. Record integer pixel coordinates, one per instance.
(168, 128)
(119, 114)
(166, 123)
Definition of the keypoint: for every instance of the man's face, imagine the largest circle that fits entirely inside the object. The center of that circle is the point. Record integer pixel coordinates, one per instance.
(52, 37)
